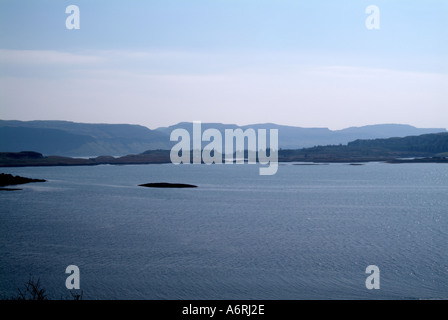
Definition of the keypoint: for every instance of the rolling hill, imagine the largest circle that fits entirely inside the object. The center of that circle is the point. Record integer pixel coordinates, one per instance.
(78, 139)
(73, 139)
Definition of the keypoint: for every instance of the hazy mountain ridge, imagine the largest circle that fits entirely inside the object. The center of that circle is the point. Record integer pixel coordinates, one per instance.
(297, 137)
(78, 139)
(83, 139)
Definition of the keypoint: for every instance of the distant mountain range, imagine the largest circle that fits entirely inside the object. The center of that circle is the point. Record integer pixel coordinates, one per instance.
(87, 140)
(79, 139)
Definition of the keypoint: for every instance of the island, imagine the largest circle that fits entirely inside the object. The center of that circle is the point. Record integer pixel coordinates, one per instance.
(167, 185)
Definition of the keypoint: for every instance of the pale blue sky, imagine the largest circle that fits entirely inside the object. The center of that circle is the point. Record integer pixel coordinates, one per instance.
(155, 63)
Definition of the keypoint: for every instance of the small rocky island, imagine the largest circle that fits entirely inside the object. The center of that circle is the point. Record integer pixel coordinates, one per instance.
(9, 179)
(167, 185)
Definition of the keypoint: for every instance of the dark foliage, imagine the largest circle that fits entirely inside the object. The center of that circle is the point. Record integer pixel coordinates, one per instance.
(32, 291)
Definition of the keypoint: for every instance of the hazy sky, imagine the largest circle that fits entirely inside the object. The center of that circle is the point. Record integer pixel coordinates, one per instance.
(292, 62)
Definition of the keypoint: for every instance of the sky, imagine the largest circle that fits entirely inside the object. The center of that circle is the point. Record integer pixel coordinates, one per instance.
(289, 62)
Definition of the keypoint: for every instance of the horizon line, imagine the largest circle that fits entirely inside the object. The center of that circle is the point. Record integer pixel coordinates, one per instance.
(231, 124)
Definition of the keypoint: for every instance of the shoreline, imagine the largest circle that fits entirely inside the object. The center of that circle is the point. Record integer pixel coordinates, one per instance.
(353, 162)
(35, 159)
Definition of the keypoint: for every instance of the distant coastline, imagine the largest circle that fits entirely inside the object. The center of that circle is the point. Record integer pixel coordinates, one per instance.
(35, 159)
(424, 148)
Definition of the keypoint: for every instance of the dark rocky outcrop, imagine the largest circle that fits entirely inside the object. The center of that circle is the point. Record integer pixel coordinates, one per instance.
(9, 179)
(167, 185)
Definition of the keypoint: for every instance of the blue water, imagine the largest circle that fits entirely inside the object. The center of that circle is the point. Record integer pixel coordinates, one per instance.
(308, 232)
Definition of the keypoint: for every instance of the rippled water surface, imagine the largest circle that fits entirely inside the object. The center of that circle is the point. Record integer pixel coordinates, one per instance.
(308, 232)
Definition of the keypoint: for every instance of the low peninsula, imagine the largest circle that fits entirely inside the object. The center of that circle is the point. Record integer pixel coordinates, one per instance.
(9, 179)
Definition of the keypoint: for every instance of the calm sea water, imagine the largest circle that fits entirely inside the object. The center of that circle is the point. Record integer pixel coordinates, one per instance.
(308, 232)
